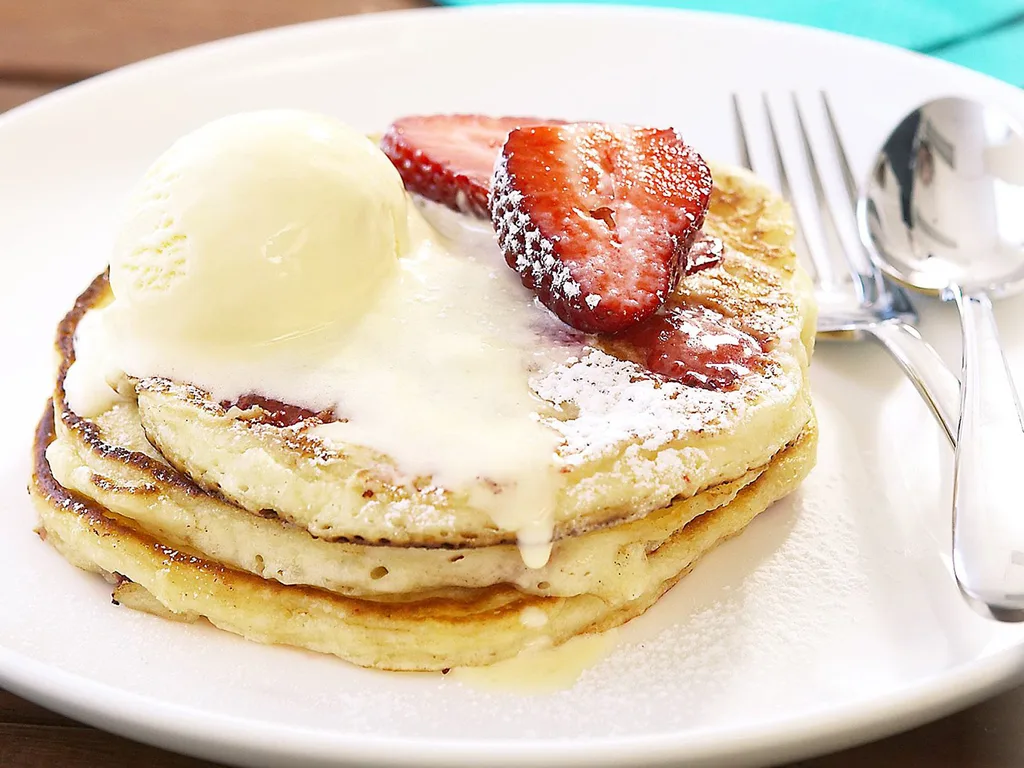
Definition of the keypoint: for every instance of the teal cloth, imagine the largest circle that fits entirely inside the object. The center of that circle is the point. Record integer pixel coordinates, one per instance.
(986, 35)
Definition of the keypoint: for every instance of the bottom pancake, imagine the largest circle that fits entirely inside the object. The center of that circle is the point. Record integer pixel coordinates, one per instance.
(497, 622)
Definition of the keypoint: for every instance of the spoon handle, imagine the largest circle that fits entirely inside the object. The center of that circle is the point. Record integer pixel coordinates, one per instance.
(936, 384)
(988, 518)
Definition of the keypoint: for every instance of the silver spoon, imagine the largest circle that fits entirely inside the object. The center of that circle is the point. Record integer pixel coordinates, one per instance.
(943, 212)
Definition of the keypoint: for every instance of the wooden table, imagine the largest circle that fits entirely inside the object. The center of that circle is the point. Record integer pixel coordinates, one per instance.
(45, 44)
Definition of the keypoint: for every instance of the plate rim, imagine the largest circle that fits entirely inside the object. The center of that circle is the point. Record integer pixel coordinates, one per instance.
(207, 734)
(500, 7)
(183, 729)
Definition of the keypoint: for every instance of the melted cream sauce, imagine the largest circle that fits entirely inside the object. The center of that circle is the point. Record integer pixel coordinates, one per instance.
(435, 374)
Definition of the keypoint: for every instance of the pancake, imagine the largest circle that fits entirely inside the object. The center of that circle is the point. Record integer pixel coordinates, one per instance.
(630, 441)
(496, 623)
(167, 504)
(241, 514)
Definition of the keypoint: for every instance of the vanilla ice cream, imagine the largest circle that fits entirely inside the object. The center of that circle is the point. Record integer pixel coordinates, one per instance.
(257, 228)
(278, 254)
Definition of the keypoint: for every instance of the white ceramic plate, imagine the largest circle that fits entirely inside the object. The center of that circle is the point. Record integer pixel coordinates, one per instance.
(833, 619)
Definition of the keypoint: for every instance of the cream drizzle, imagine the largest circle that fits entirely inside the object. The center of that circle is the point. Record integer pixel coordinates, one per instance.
(540, 670)
(436, 374)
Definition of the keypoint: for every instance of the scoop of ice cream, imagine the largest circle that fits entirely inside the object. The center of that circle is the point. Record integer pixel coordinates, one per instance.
(257, 228)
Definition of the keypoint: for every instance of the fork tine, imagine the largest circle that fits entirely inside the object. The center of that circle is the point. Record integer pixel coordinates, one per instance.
(900, 301)
(823, 272)
(825, 206)
(837, 143)
(746, 161)
(780, 163)
(741, 133)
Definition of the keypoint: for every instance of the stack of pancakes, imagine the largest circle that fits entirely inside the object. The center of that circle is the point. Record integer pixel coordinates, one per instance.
(240, 515)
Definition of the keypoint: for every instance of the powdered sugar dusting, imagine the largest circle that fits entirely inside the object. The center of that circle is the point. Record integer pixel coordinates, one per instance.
(526, 250)
(619, 402)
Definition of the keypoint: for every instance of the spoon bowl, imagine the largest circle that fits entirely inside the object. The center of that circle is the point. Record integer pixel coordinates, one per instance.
(944, 203)
(943, 212)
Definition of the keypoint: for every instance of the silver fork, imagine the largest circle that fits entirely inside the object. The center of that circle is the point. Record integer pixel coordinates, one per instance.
(855, 301)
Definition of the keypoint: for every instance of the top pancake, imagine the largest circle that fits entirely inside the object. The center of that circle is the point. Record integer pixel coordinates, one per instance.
(630, 441)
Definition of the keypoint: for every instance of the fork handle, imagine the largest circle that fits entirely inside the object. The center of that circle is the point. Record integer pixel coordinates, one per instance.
(988, 521)
(923, 366)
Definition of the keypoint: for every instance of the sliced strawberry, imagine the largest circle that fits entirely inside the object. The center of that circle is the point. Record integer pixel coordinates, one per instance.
(691, 344)
(450, 158)
(598, 219)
